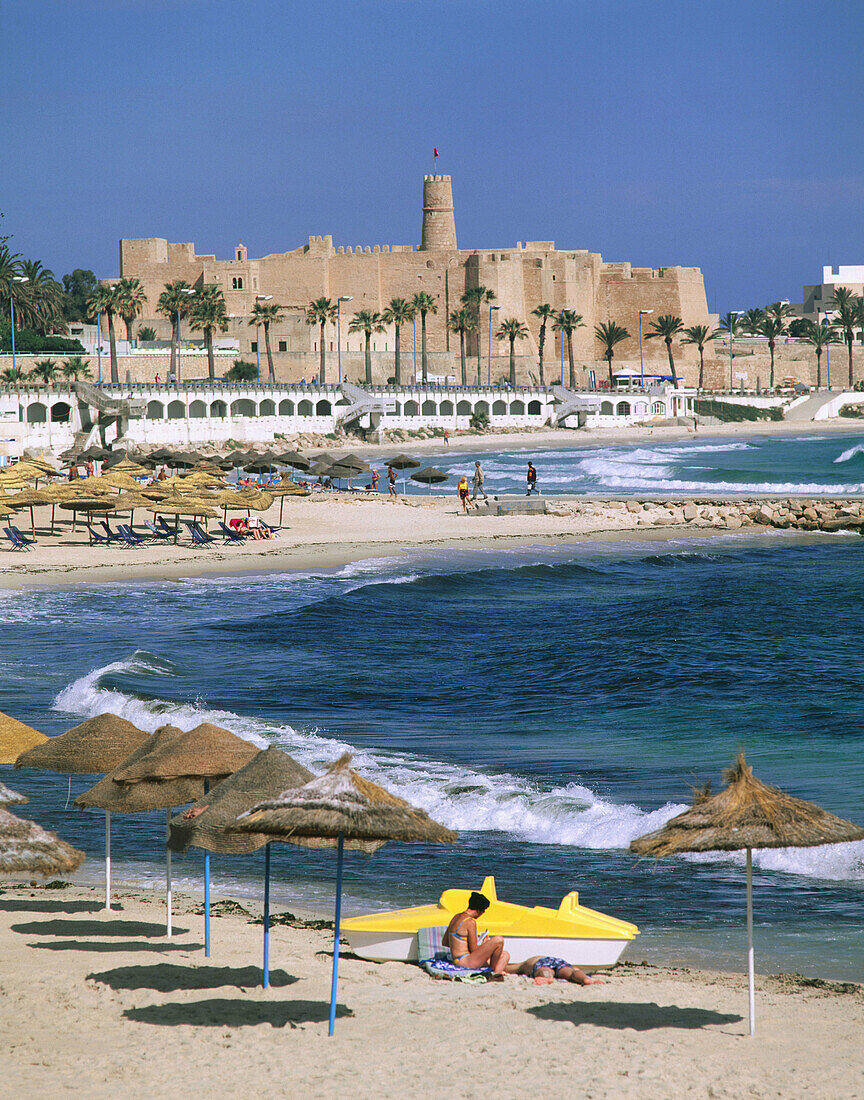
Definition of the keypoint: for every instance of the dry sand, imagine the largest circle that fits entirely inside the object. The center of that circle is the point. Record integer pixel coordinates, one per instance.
(101, 1005)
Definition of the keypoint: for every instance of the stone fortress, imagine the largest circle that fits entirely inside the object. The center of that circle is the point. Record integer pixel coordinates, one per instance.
(521, 277)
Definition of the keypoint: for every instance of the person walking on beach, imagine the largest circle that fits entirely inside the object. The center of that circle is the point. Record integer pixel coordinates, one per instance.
(446, 438)
(376, 481)
(391, 478)
(478, 482)
(532, 480)
(462, 491)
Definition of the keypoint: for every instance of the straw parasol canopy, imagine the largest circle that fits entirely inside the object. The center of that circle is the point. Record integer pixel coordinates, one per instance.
(402, 462)
(128, 467)
(746, 814)
(16, 737)
(118, 479)
(207, 823)
(26, 846)
(295, 460)
(205, 752)
(8, 797)
(430, 475)
(180, 504)
(96, 745)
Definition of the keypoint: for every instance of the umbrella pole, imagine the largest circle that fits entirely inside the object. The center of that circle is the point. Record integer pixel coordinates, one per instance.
(168, 915)
(266, 970)
(207, 904)
(336, 923)
(750, 960)
(107, 859)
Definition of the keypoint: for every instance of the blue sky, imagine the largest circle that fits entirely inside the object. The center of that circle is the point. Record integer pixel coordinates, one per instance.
(723, 135)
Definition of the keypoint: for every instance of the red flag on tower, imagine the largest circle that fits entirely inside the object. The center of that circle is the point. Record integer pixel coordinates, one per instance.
(436, 152)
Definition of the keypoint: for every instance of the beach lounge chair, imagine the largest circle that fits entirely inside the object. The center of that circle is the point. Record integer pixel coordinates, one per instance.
(199, 537)
(230, 536)
(128, 536)
(112, 535)
(157, 532)
(19, 542)
(166, 526)
(95, 537)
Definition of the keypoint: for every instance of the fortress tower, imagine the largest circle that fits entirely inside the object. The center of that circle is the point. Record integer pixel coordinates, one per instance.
(439, 226)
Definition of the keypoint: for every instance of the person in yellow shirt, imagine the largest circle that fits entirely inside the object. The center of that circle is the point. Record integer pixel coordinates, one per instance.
(463, 492)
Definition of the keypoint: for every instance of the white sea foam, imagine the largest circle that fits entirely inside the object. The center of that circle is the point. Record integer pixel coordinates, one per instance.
(460, 797)
(858, 449)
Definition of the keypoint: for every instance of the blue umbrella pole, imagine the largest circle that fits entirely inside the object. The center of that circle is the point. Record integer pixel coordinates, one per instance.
(207, 904)
(266, 977)
(337, 921)
(107, 859)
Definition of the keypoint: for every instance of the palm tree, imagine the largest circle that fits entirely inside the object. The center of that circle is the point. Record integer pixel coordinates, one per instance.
(104, 302)
(267, 314)
(566, 322)
(147, 333)
(319, 312)
(13, 374)
(778, 310)
(698, 335)
(512, 329)
(609, 334)
(819, 337)
(367, 321)
(42, 298)
(45, 369)
(75, 367)
(132, 298)
(209, 315)
(474, 299)
(771, 328)
(399, 312)
(174, 303)
(666, 327)
(845, 308)
(462, 321)
(751, 320)
(424, 303)
(545, 313)
(10, 269)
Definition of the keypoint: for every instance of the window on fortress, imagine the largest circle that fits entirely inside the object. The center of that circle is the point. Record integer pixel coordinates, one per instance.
(283, 345)
(237, 282)
(254, 345)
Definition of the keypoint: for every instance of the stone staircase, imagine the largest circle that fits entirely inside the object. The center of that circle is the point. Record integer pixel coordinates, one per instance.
(569, 405)
(362, 403)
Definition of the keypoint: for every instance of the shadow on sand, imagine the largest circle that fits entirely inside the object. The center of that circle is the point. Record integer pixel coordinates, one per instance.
(105, 946)
(94, 928)
(223, 1012)
(22, 905)
(634, 1016)
(169, 977)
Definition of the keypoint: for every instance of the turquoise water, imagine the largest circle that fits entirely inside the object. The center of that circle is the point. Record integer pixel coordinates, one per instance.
(550, 704)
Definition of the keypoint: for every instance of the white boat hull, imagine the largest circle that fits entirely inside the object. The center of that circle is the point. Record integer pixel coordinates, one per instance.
(590, 954)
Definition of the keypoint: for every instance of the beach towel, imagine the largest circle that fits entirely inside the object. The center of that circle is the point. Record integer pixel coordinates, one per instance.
(435, 959)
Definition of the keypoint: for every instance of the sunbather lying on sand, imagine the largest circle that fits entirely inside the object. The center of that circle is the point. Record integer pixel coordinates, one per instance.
(544, 969)
(462, 942)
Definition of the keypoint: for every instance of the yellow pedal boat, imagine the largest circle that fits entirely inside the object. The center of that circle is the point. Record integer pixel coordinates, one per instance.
(573, 932)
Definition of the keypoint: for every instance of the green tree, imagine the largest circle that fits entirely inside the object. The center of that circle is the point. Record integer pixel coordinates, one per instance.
(424, 303)
(267, 314)
(545, 313)
(174, 303)
(75, 367)
(46, 370)
(78, 287)
(750, 320)
(462, 321)
(512, 329)
(10, 270)
(609, 334)
(320, 312)
(13, 374)
(241, 371)
(105, 303)
(780, 311)
(146, 334)
(42, 297)
(666, 328)
(819, 337)
(845, 308)
(566, 322)
(474, 299)
(398, 313)
(771, 328)
(131, 297)
(367, 321)
(209, 315)
(698, 335)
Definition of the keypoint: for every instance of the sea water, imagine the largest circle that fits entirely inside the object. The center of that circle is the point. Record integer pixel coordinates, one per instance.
(550, 704)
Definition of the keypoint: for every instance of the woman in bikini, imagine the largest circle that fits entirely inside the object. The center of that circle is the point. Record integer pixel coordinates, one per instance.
(461, 939)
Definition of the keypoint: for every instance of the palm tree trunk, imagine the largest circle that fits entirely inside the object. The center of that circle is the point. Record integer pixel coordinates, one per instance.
(609, 356)
(130, 321)
(112, 339)
(175, 343)
(368, 358)
(540, 355)
(701, 366)
(398, 358)
(322, 364)
(211, 362)
(462, 356)
(479, 356)
(671, 361)
(423, 344)
(849, 338)
(270, 366)
(513, 362)
(771, 380)
(570, 359)
(818, 368)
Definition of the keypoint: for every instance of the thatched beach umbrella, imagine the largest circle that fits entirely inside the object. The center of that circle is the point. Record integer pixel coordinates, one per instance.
(746, 814)
(26, 846)
(94, 746)
(208, 823)
(430, 475)
(16, 737)
(207, 753)
(343, 808)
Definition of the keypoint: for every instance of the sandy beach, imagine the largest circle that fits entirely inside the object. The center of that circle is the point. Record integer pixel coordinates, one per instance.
(100, 1005)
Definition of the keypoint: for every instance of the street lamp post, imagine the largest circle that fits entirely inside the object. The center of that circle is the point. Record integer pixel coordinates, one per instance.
(339, 301)
(259, 298)
(642, 313)
(189, 292)
(14, 279)
(489, 361)
(735, 313)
